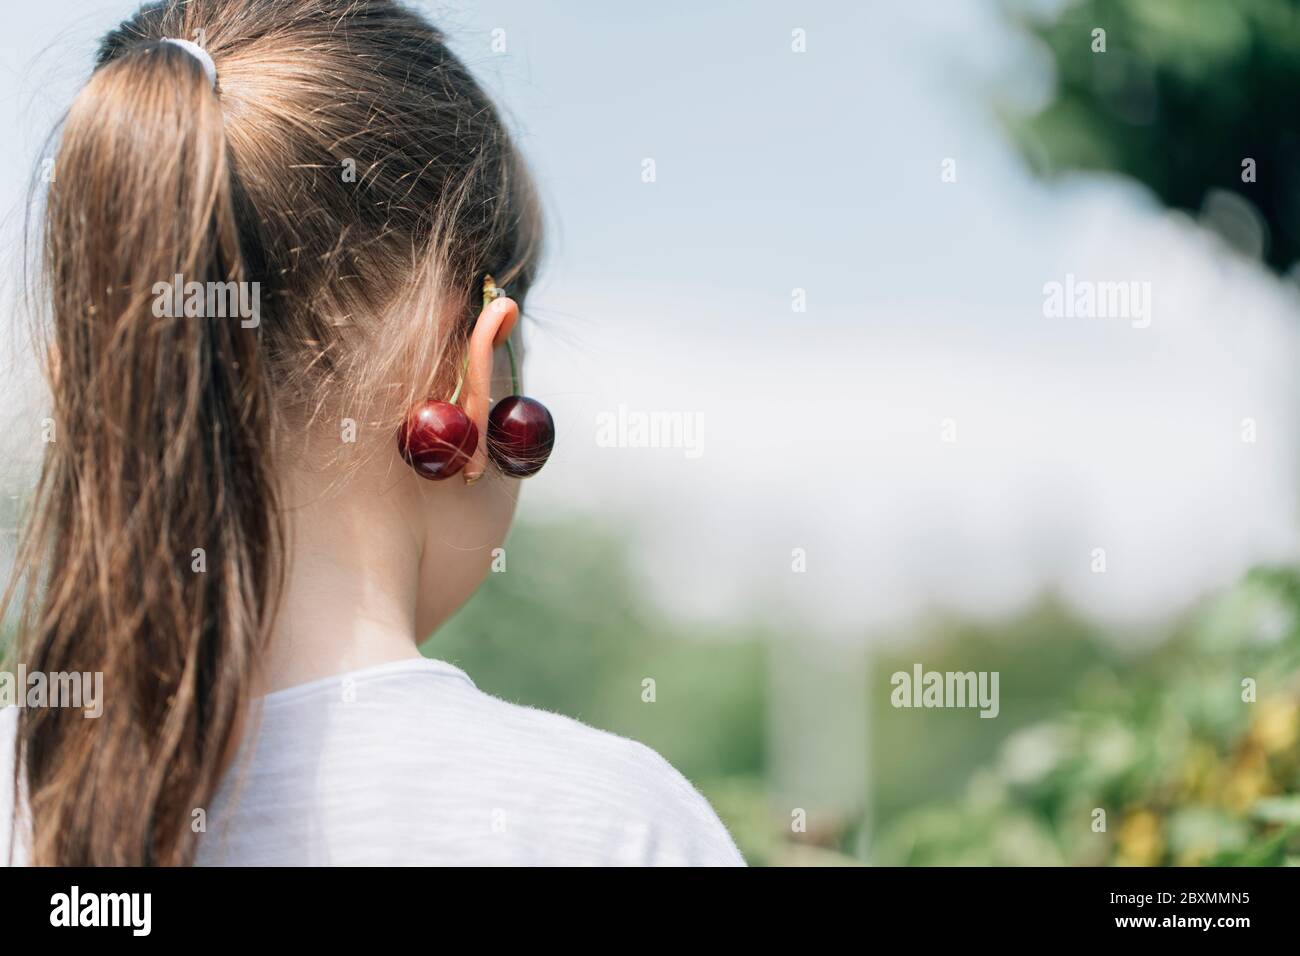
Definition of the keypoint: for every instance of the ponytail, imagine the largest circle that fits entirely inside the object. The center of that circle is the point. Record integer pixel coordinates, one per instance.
(154, 541)
(346, 170)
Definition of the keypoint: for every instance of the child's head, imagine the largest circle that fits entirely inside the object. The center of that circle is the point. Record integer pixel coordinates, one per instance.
(340, 193)
(347, 162)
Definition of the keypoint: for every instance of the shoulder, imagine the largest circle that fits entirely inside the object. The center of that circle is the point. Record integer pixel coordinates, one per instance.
(613, 799)
(413, 763)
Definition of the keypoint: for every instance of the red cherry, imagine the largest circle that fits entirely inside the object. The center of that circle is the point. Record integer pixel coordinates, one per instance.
(437, 439)
(521, 434)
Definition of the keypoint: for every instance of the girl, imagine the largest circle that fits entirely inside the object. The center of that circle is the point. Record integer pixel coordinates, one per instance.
(264, 251)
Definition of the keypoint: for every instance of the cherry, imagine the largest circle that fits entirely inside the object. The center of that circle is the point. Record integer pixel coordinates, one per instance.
(521, 434)
(437, 439)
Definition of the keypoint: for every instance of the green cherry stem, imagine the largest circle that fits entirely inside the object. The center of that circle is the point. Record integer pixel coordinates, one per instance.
(514, 368)
(460, 382)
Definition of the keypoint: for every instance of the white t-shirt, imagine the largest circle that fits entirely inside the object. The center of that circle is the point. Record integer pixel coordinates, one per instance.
(409, 763)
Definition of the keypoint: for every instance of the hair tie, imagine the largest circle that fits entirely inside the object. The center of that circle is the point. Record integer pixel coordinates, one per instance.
(200, 54)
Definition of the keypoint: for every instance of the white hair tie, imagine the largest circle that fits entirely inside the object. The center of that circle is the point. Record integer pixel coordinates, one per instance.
(200, 54)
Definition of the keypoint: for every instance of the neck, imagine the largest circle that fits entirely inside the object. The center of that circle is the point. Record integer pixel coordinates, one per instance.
(351, 580)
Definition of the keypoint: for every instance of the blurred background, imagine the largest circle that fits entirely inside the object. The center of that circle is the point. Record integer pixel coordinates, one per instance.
(818, 422)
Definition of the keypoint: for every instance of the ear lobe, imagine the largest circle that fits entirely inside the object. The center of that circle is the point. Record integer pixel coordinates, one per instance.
(494, 325)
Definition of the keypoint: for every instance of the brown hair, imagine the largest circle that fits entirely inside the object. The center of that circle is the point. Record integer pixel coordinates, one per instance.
(348, 164)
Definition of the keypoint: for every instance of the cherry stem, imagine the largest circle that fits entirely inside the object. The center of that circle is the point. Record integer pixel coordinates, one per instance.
(514, 368)
(460, 382)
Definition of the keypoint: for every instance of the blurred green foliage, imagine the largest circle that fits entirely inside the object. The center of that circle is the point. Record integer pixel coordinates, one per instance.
(1182, 95)
(1152, 729)
(1186, 771)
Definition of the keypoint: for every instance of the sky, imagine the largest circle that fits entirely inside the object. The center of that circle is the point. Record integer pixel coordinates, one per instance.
(816, 177)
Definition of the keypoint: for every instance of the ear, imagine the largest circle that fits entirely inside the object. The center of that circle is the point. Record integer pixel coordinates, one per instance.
(494, 325)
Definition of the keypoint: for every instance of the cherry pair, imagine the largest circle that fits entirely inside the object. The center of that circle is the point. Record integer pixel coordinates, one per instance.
(438, 439)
